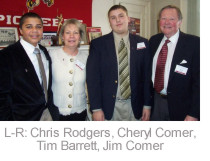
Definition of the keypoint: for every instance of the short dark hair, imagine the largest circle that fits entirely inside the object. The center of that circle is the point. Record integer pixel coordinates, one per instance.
(118, 7)
(179, 13)
(28, 15)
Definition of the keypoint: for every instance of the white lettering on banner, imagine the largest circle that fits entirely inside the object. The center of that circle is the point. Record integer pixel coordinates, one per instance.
(9, 19)
(55, 22)
(2, 18)
(45, 21)
(14, 20)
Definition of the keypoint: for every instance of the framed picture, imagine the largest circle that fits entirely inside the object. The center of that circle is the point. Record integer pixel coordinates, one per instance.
(8, 35)
(93, 32)
(84, 39)
(47, 38)
(134, 26)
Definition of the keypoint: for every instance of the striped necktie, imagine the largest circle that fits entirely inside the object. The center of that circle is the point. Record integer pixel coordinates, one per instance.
(160, 68)
(124, 71)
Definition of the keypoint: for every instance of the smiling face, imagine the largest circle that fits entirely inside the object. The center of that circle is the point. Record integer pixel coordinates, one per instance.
(169, 22)
(71, 36)
(32, 30)
(119, 20)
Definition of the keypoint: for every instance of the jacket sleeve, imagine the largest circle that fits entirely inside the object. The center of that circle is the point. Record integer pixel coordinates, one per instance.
(94, 77)
(147, 76)
(5, 89)
(195, 104)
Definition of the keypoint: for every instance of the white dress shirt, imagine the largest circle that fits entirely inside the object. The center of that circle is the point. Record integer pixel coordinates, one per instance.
(68, 81)
(171, 48)
(29, 50)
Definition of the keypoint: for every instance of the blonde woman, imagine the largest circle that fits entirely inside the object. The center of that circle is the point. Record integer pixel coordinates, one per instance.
(69, 73)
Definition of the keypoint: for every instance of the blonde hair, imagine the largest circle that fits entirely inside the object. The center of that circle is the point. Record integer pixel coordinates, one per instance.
(74, 22)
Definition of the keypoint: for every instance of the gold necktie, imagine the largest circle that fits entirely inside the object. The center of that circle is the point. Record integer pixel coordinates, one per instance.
(124, 71)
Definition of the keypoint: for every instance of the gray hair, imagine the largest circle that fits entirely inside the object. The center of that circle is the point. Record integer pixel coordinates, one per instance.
(179, 13)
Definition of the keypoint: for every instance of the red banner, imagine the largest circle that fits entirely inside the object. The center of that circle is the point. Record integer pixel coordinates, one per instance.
(11, 11)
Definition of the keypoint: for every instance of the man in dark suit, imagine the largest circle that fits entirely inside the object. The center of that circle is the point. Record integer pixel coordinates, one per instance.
(25, 88)
(175, 70)
(118, 77)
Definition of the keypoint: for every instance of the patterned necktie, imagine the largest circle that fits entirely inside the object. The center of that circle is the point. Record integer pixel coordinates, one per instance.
(160, 68)
(124, 71)
(42, 71)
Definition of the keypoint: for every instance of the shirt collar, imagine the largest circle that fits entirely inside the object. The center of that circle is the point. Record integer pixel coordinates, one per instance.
(118, 38)
(27, 46)
(173, 38)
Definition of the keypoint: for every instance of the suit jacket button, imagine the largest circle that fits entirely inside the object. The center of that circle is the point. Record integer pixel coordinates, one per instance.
(115, 81)
(70, 83)
(69, 106)
(71, 71)
(70, 95)
(113, 96)
(71, 60)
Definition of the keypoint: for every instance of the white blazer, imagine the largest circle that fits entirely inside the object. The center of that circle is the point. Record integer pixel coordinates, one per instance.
(68, 81)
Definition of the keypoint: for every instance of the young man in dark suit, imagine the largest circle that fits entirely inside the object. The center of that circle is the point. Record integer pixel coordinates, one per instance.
(175, 70)
(25, 84)
(118, 77)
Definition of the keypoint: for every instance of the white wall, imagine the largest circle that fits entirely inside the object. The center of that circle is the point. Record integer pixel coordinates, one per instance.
(139, 9)
(193, 19)
(100, 9)
(156, 6)
(189, 8)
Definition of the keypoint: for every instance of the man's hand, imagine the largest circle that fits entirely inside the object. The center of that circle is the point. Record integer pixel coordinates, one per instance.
(98, 115)
(190, 118)
(145, 114)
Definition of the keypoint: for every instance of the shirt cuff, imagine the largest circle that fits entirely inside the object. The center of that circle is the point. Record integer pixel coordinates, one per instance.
(97, 110)
(147, 107)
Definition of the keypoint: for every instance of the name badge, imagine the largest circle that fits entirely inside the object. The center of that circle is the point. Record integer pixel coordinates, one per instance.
(141, 45)
(181, 70)
(80, 64)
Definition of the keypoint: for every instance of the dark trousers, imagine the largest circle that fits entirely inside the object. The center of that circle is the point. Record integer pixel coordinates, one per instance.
(74, 117)
(160, 111)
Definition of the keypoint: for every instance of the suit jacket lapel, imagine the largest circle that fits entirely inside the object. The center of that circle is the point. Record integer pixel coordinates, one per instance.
(133, 46)
(110, 45)
(178, 55)
(50, 65)
(28, 66)
(155, 45)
